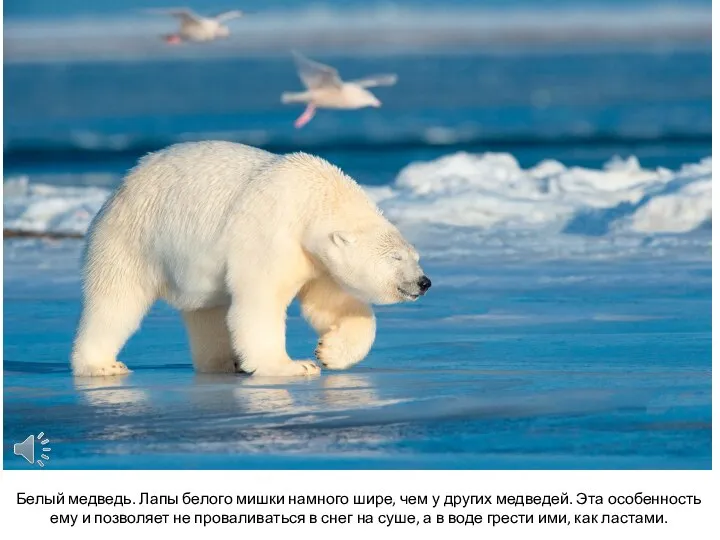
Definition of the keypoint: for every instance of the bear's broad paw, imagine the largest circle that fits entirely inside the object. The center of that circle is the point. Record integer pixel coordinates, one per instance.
(111, 369)
(334, 352)
(301, 368)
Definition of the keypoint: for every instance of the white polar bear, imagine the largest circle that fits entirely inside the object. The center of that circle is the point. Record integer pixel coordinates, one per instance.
(230, 235)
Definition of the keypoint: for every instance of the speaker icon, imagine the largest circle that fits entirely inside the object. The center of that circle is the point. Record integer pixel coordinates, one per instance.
(26, 449)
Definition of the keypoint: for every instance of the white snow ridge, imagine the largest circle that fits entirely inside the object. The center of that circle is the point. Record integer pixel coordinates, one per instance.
(41, 208)
(489, 192)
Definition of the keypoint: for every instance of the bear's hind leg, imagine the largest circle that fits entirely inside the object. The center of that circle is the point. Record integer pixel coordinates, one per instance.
(345, 324)
(210, 343)
(115, 301)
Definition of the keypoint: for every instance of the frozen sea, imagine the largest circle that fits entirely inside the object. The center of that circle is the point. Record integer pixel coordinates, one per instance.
(559, 192)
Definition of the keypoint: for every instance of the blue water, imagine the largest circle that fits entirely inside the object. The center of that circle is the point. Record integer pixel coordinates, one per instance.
(592, 356)
(51, 8)
(578, 99)
(579, 108)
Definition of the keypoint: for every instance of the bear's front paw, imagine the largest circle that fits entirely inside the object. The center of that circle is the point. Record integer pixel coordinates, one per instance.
(335, 352)
(289, 369)
(308, 367)
(100, 370)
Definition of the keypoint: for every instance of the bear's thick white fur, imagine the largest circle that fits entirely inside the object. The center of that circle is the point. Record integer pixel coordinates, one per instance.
(230, 235)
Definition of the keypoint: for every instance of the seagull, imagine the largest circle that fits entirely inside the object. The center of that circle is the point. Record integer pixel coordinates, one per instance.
(325, 89)
(194, 27)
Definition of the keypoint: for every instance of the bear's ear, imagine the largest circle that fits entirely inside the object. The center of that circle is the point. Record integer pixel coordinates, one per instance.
(342, 238)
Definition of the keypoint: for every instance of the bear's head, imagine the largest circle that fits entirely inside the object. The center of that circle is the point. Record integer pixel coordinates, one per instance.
(376, 265)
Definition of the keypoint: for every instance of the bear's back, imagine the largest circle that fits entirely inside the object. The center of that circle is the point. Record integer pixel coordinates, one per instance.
(206, 164)
(182, 195)
(190, 182)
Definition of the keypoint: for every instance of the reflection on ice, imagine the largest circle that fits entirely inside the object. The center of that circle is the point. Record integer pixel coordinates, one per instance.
(259, 396)
(348, 391)
(112, 392)
(331, 393)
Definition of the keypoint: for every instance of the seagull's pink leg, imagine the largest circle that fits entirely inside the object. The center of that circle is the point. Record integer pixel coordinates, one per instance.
(305, 117)
(173, 39)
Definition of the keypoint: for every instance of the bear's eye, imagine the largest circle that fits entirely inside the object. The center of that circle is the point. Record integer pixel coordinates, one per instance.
(397, 256)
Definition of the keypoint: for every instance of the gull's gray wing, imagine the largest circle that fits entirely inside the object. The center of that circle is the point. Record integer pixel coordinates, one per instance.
(377, 80)
(229, 15)
(184, 14)
(314, 74)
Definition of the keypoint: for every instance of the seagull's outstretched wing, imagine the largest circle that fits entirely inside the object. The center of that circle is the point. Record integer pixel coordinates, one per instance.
(316, 75)
(229, 15)
(184, 14)
(376, 80)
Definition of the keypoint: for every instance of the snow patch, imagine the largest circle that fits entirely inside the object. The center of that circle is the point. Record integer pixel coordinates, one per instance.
(492, 191)
(466, 192)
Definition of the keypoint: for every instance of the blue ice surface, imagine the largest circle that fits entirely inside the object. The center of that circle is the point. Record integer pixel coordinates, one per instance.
(509, 362)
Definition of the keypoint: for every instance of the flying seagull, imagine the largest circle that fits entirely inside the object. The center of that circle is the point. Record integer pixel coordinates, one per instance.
(325, 89)
(194, 27)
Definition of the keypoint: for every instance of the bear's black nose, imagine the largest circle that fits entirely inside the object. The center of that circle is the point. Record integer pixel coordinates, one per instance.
(424, 284)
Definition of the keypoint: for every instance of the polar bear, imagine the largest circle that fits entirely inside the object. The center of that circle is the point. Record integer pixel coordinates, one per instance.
(230, 235)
